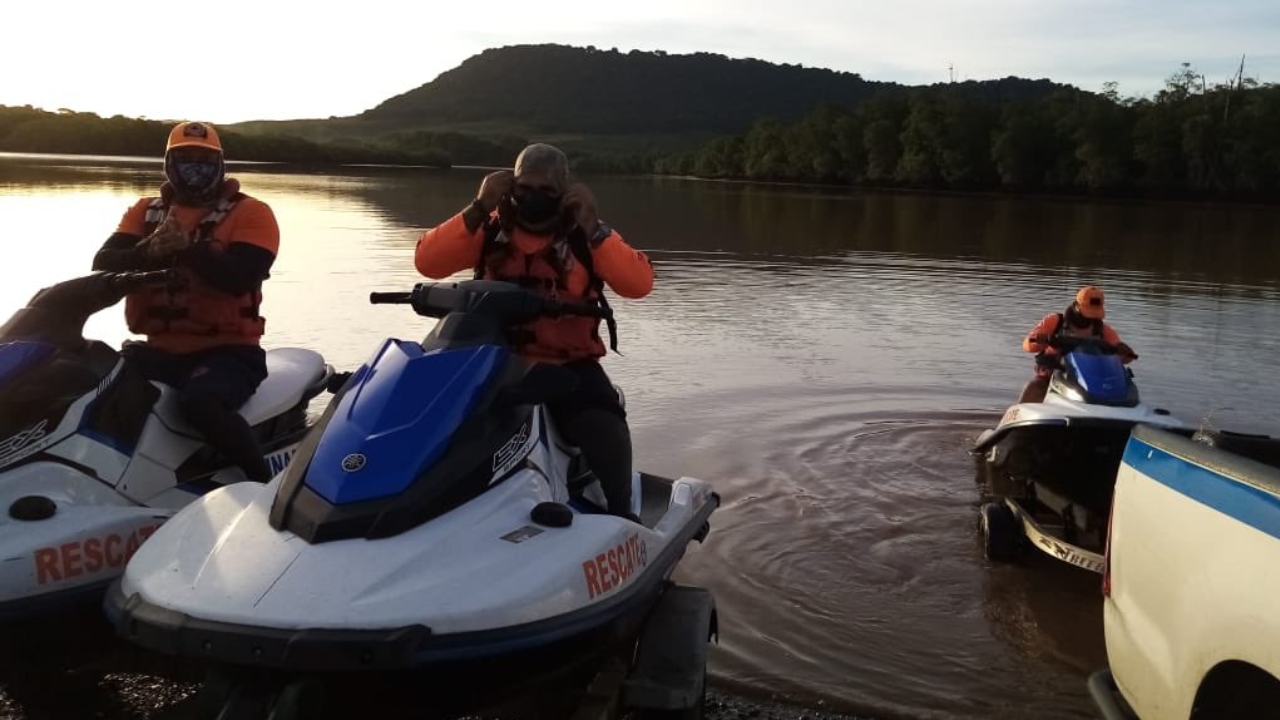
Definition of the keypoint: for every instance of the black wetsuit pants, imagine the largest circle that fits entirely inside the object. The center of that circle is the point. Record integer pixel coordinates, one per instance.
(212, 385)
(593, 419)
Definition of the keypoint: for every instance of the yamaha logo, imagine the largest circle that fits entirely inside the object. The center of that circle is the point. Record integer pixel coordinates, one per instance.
(353, 462)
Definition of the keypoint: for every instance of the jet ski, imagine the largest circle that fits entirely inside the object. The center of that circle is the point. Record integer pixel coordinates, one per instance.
(94, 458)
(434, 523)
(1052, 464)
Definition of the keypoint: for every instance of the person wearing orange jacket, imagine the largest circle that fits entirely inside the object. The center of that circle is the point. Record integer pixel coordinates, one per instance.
(1082, 319)
(531, 226)
(203, 332)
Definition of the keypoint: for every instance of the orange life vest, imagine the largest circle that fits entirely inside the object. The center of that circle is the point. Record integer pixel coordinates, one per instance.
(551, 273)
(190, 306)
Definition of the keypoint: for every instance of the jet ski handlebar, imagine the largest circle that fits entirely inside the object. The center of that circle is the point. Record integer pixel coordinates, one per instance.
(57, 314)
(128, 282)
(509, 301)
(87, 294)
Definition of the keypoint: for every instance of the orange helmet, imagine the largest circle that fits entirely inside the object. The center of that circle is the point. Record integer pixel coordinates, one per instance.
(193, 134)
(1089, 302)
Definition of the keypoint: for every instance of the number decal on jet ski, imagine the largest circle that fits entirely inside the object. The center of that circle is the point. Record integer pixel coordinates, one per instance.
(513, 450)
(611, 570)
(23, 443)
(85, 557)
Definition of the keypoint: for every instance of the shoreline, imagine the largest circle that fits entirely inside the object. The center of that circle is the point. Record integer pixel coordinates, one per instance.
(988, 194)
(846, 190)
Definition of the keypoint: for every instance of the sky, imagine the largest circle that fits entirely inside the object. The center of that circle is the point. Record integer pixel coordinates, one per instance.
(237, 60)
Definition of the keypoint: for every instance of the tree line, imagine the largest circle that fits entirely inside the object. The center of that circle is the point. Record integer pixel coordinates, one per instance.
(28, 129)
(1189, 139)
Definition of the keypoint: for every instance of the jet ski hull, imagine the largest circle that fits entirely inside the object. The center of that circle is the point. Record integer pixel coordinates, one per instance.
(1051, 467)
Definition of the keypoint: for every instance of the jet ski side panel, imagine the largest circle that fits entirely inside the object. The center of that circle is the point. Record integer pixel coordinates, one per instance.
(81, 541)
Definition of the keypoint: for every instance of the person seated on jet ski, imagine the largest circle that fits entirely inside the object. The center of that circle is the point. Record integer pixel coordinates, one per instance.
(1083, 318)
(533, 228)
(203, 336)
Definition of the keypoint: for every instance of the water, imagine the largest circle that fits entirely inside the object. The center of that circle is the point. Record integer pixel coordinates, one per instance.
(825, 358)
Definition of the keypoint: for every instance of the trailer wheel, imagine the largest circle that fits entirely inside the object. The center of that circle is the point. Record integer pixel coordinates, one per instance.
(1000, 532)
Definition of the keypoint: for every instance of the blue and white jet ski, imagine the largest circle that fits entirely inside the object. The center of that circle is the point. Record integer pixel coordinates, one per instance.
(1052, 464)
(433, 520)
(94, 458)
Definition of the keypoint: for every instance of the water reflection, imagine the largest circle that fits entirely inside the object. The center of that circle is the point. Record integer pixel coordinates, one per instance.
(826, 359)
(1213, 246)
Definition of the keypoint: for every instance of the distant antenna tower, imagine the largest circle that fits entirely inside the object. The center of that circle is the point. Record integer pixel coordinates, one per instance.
(951, 68)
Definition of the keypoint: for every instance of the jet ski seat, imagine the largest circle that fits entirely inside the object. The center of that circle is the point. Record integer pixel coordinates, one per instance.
(291, 372)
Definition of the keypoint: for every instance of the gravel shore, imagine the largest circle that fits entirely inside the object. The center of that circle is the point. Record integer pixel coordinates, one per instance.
(75, 669)
(722, 705)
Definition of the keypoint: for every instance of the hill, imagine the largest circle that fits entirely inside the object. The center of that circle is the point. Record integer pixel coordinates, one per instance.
(556, 88)
(592, 100)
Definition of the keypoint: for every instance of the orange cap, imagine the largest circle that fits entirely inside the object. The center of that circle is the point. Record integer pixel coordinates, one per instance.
(1089, 301)
(193, 134)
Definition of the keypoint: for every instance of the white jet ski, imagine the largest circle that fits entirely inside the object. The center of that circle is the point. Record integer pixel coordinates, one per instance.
(434, 520)
(93, 458)
(1053, 464)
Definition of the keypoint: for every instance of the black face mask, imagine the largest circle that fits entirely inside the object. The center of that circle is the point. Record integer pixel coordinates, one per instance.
(194, 182)
(536, 208)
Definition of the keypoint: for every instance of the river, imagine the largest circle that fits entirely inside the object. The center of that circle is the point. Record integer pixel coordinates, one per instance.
(825, 358)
